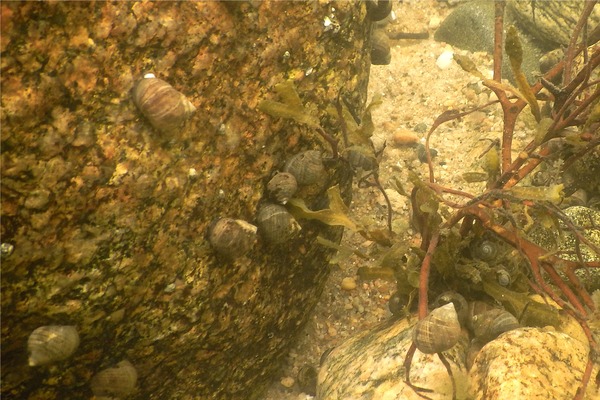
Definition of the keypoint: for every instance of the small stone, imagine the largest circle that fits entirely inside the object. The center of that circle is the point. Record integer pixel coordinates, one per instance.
(435, 22)
(444, 61)
(404, 137)
(287, 381)
(348, 283)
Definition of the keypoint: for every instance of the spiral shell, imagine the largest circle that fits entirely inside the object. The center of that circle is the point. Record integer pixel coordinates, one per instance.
(276, 224)
(307, 380)
(307, 167)
(166, 108)
(380, 48)
(438, 331)
(52, 343)
(484, 250)
(232, 238)
(282, 187)
(361, 158)
(118, 381)
(489, 324)
(460, 304)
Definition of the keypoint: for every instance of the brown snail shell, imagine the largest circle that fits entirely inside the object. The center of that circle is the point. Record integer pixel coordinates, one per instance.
(276, 224)
(378, 10)
(282, 187)
(166, 108)
(118, 381)
(307, 380)
(380, 48)
(307, 167)
(232, 238)
(361, 158)
(489, 324)
(438, 331)
(52, 343)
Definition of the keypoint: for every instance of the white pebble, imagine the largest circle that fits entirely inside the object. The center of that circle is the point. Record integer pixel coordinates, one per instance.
(434, 22)
(444, 61)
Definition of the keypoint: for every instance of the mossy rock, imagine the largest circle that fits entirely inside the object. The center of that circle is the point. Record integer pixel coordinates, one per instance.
(107, 217)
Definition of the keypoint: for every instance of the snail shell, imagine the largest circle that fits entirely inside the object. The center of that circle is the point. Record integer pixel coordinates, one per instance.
(438, 331)
(359, 157)
(282, 187)
(52, 343)
(166, 108)
(376, 11)
(380, 48)
(276, 224)
(307, 380)
(460, 304)
(489, 324)
(118, 381)
(307, 167)
(232, 238)
(484, 250)
(503, 277)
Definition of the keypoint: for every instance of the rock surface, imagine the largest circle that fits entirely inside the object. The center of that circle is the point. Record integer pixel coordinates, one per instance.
(104, 218)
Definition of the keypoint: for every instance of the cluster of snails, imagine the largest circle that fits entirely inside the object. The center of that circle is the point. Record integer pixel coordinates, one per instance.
(442, 328)
(51, 344)
(166, 108)
(233, 238)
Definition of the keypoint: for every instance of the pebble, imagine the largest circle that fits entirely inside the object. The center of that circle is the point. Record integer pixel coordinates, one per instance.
(287, 381)
(404, 137)
(435, 22)
(445, 60)
(348, 283)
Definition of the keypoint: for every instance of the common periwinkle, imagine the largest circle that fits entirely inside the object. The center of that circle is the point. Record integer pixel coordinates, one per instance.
(380, 48)
(282, 187)
(489, 324)
(307, 380)
(438, 331)
(115, 382)
(484, 249)
(166, 108)
(276, 224)
(232, 238)
(307, 167)
(51, 344)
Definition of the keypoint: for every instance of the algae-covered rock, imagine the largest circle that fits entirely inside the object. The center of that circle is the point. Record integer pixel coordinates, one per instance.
(105, 218)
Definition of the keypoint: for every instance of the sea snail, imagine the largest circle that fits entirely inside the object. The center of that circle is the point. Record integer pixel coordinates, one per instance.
(307, 167)
(438, 331)
(276, 224)
(118, 381)
(282, 187)
(232, 238)
(52, 343)
(166, 108)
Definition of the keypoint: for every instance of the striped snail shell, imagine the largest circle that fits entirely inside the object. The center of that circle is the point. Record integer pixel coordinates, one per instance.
(489, 324)
(166, 108)
(118, 381)
(232, 238)
(282, 187)
(52, 343)
(276, 224)
(307, 167)
(438, 331)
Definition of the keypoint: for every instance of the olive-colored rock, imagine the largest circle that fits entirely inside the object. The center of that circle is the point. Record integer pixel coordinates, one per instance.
(107, 218)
